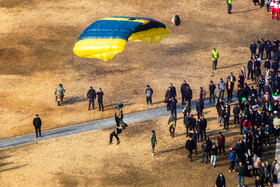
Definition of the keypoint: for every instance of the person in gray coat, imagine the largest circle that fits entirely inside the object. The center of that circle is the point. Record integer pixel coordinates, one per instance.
(149, 92)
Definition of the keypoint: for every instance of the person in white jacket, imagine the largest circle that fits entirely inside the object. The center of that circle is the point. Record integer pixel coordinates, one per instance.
(271, 6)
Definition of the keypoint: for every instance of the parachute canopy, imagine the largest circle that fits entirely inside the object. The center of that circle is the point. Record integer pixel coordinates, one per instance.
(107, 37)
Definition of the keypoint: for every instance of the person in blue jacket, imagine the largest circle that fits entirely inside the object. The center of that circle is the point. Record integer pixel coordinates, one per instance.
(232, 158)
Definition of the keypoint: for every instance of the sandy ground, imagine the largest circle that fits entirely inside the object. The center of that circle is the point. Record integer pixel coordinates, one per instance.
(36, 55)
(86, 159)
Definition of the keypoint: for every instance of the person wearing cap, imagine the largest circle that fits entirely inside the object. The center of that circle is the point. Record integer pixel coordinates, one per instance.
(212, 88)
(37, 123)
(149, 92)
(100, 99)
(91, 95)
(59, 91)
(183, 91)
(153, 141)
(232, 158)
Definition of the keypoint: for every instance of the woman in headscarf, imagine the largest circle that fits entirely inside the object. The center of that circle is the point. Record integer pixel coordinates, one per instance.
(221, 181)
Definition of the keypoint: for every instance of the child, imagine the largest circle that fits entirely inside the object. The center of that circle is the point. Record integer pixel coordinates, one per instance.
(153, 141)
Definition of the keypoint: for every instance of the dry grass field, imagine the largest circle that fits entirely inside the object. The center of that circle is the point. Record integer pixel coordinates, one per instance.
(86, 159)
(36, 55)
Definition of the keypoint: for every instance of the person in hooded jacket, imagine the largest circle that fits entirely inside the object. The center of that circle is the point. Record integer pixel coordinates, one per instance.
(209, 145)
(220, 181)
(232, 158)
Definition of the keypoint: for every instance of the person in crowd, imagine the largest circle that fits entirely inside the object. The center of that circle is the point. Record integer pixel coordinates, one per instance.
(172, 125)
(240, 94)
(232, 78)
(221, 143)
(249, 143)
(193, 135)
(232, 158)
(261, 83)
(274, 171)
(199, 108)
(184, 91)
(258, 182)
(153, 141)
(149, 92)
(241, 173)
(202, 95)
(248, 164)
(222, 85)
(268, 168)
(91, 95)
(276, 124)
(229, 88)
(212, 88)
(187, 117)
(167, 98)
(275, 66)
(274, 50)
(188, 95)
(203, 122)
(215, 56)
(261, 47)
(253, 48)
(221, 114)
(241, 78)
(100, 99)
(190, 146)
(267, 63)
(192, 123)
(263, 173)
(199, 129)
(268, 49)
(236, 112)
(214, 153)
(226, 118)
(37, 123)
(218, 93)
(256, 165)
(205, 150)
(266, 134)
(209, 145)
(173, 106)
(220, 181)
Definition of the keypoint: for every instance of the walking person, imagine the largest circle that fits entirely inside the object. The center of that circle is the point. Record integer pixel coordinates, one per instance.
(215, 56)
(183, 91)
(153, 141)
(214, 153)
(37, 123)
(204, 149)
(91, 95)
(241, 173)
(173, 107)
(229, 5)
(172, 125)
(190, 146)
(221, 143)
(212, 88)
(100, 99)
(220, 181)
(149, 92)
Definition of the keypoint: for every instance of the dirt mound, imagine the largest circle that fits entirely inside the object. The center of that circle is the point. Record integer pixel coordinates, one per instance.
(8, 55)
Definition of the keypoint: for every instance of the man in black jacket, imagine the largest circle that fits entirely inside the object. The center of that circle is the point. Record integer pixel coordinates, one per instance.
(37, 122)
(91, 95)
(192, 123)
(188, 95)
(100, 99)
(190, 145)
(261, 47)
(173, 107)
(120, 125)
(183, 91)
(250, 68)
(199, 108)
(268, 49)
(253, 48)
(173, 90)
(236, 112)
(267, 64)
(240, 94)
(204, 126)
(204, 152)
(212, 88)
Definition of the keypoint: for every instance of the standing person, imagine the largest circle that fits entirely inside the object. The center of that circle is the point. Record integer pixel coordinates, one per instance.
(268, 167)
(199, 108)
(276, 124)
(220, 181)
(153, 141)
(221, 143)
(232, 158)
(187, 117)
(268, 49)
(173, 90)
(271, 6)
(250, 67)
(218, 94)
(100, 99)
(241, 173)
(215, 56)
(261, 84)
(232, 78)
(190, 146)
(214, 153)
(149, 92)
(193, 135)
(172, 125)
(274, 171)
(267, 64)
(91, 95)
(173, 107)
(229, 87)
(167, 98)
(274, 50)
(37, 123)
(203, 126)
(261, 47)
(212, 88)
(236, 112)
(263, 173)
(222, 85)
(183, 91)
(229, 5)
(202, 94)
(204, 149)
(221, 114)
(258, 181)
(226, 118)
(209, 145)
(256, 165)
(188, 95)
(253, 48)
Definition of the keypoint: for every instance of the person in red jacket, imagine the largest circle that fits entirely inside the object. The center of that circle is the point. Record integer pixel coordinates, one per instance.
(221, 143)
(276, 10)
(247, 123)
(271, 6)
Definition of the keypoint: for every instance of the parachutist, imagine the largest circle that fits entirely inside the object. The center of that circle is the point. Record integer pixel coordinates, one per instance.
(120, 125)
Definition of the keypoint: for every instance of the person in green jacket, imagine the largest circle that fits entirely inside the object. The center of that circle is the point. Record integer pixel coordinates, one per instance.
(229, 6)
(240, 173)
(215, 56)
(153, 141)
(59, 91)
(218, 93)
